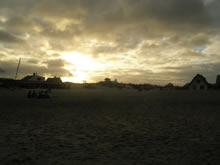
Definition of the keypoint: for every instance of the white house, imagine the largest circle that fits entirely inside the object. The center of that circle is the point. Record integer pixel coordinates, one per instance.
(35, 77)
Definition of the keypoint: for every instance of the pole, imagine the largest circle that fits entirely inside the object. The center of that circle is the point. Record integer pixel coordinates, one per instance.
(19, 62)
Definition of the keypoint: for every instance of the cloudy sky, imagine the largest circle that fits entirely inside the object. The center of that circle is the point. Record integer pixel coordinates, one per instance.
(138, 41)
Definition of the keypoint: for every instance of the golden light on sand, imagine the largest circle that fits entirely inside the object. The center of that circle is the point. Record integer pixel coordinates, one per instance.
(79, 66)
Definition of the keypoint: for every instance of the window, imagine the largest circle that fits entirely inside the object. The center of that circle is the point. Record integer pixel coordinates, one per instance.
(194, 86)
(198, 81)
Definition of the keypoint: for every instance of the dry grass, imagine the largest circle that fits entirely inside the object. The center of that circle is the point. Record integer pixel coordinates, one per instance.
(110, 126)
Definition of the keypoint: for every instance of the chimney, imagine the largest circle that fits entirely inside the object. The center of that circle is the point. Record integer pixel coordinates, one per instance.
(34, 74)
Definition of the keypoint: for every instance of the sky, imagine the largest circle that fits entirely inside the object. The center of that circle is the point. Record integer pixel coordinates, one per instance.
(133, 41)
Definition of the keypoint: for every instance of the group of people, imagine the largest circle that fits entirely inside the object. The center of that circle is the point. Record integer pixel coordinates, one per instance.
(42, 94)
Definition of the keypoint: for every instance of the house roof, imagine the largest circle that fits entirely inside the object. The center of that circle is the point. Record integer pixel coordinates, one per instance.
(27, 78)
(202, 77)
(55, 80)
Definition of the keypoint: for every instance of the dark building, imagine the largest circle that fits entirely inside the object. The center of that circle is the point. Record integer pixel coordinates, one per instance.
(54, 80)
(34, 78)
(199, 82)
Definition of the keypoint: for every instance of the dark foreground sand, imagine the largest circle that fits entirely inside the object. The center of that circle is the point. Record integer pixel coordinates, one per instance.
(119, 127)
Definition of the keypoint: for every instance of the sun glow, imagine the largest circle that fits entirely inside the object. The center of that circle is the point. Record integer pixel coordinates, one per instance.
(79, 66)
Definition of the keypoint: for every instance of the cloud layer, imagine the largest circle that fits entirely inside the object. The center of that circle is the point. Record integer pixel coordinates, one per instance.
(143, 41)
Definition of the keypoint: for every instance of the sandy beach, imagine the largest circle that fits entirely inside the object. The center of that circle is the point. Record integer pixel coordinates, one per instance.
(110, 126)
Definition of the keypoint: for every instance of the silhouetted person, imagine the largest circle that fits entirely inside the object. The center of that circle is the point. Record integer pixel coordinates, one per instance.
(46, 94)
(29, 95)
(34, 94)
(40, 94)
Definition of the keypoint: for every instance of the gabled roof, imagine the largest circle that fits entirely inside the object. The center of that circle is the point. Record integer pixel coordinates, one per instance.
(202, 77)
(26, 78)
(210, 86)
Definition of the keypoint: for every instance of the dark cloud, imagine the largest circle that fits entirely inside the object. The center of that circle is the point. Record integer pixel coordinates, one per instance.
(33, 61)
(191, 53)
(118, 11)
(57, 8)
(9, 68)
(58, 63)
(104, 50)
(2, 70)
(113, 20)
(56, 67)
(121, 46)
(200, 40)
(9, 38)
(214, 11)
(192, 40)
(59, 34)
(176, 11)
(30, 68)
(108, 19)
(148, 18)
(19, 23)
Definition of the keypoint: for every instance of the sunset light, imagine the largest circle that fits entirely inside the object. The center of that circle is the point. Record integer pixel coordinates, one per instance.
(79, 66)
(146, 41)
(110, 82)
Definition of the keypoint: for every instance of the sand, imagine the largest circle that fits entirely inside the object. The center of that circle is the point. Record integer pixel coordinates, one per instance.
(110, 126)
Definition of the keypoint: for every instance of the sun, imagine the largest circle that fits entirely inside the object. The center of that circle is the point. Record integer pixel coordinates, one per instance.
(79, 66)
